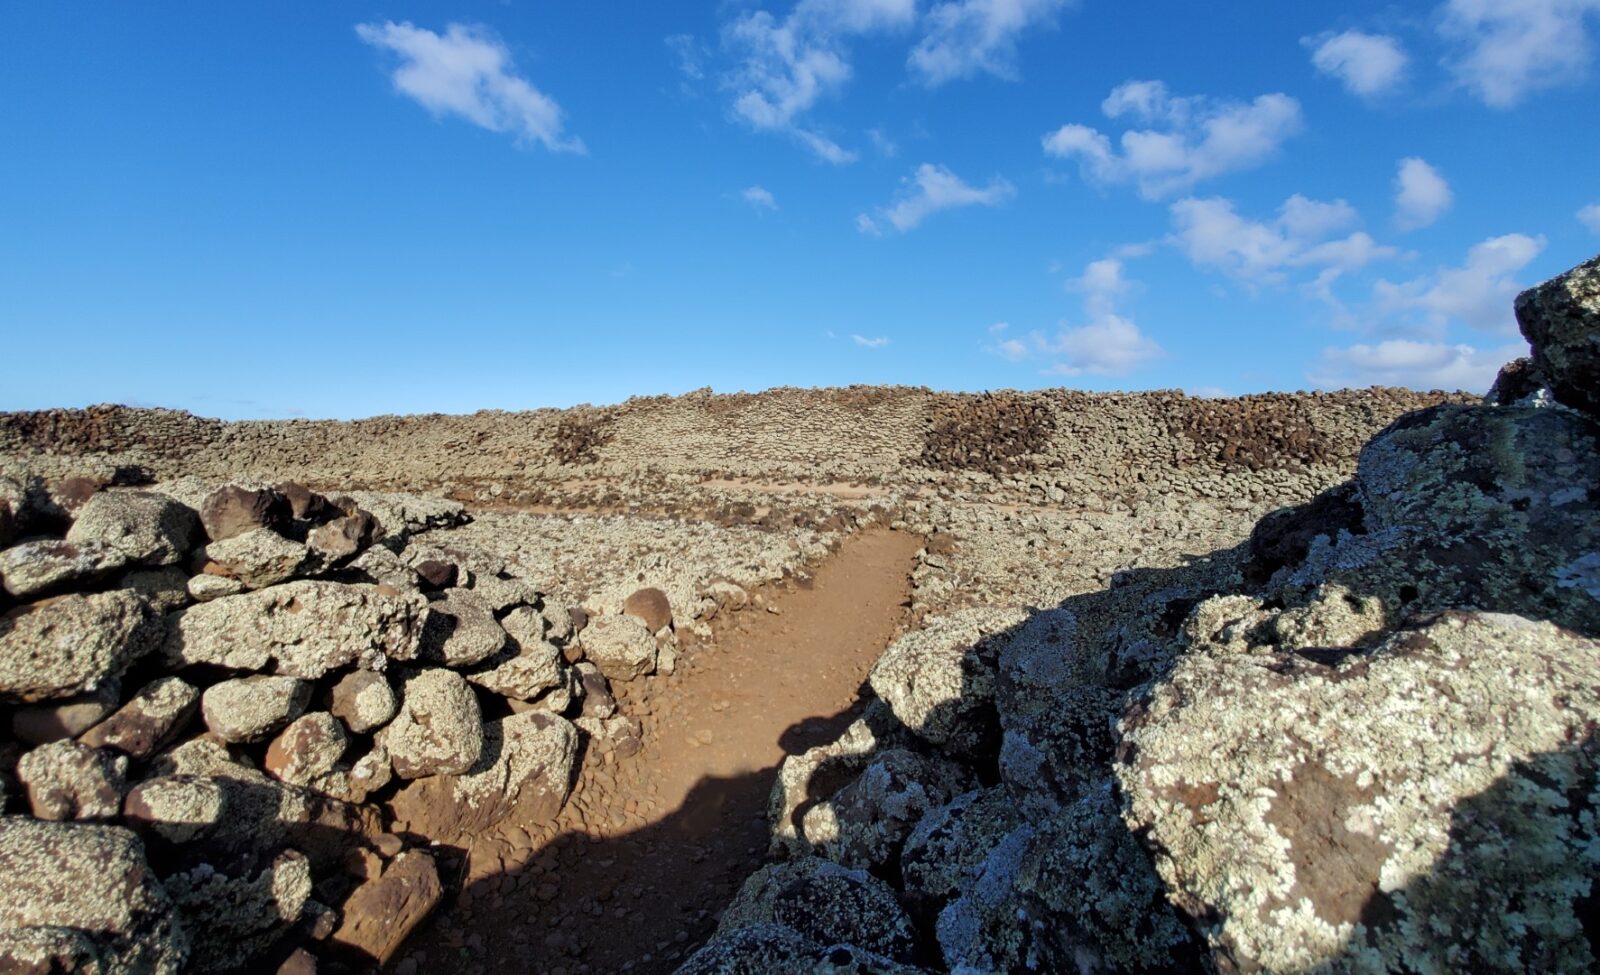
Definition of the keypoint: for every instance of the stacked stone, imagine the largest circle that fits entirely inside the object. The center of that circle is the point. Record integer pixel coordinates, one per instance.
(231, 699)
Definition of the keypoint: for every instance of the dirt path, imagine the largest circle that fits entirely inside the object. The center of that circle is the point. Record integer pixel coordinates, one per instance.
(631, 875)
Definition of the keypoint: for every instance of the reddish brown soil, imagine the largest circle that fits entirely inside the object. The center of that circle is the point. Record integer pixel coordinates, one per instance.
(632, 875)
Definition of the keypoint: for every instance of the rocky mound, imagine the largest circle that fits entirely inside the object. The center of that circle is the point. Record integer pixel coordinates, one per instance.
(1361, 741)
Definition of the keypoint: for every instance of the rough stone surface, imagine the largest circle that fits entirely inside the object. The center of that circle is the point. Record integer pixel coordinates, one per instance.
(40, 724)
(309, 748)
(67, 780)
(620, 646)
(1561, 320)
(651, 606)
(942, 855)
(826, 904)
(381, 913)
(85, 891)
(149, 528)
(364, 701)
(345, 537)
(165, 586)
(772, 949)
(259, 557)
(460, 630)
(439, 729)
(207, 586)
(252, 708)
(1466, 842)
(865, 823)
(307, 628)
(535, 667)
(234, 920)
(39, 566)
(234, 509)
(66, 646)
(153, 716)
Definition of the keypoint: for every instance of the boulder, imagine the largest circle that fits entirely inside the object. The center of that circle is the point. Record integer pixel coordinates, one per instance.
(234, 920)
(526, 769)
(460, 630)
(364, 701)
(40, 724)
(306, 504)
(150, 720)
(84, 891)
(620, 646)
(234, 509)
(149, 528)
(253, 708)
(258, 558)
(307, 628)
(943, 854)
(535, 667)
(865, 823)
(309, 748)
(1424, 805)
(37, 567)
(772, 949)
(69, 645)
(439, 729)
(1561, 320)
(343, 538)
(652, 608)
(167, 586)
(67, 780)
(825, 904)
(380, 914)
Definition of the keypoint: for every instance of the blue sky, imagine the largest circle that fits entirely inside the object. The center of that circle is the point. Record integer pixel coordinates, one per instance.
(358, 208)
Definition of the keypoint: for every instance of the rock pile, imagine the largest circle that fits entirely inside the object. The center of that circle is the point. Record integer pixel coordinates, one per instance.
(1363, 741)
(996, 433)
(239, 721)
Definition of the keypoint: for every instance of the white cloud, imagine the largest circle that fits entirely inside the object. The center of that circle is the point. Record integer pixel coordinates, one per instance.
(468, 72)
(1108, 345)
(1478, 293)
(787, 66)
(963, 38)
(1589, 216)
(1420, 365)
(866, 343)
(931, 189)
(1212, 234)
(1191, 138)
(885, 145)
(1421, 195)
(1367, 64)
(759, 197)
(1507, 49)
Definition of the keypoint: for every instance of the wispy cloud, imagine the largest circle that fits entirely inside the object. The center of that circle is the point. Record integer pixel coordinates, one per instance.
(1508, 49)
(1421, 194)
(1419, 365)
(1367, 65)
(1189, 139)
(866, 343)
(468, 72)
(1304, 235)
(1478, 293)
(963, 38)
(1108, 344)
(931, 189)
(1589, 216)
(759, 197)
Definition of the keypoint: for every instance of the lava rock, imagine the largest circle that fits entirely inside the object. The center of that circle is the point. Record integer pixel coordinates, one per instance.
(67, 780)
(259, 557)
(37, 567)
(69, 645)
(149, 721)
(149, 528)
(252, 708)
(234, 509)
(364, 701)
(381, 913)
(620, 646)
(1561, 320)
(651, 606)
(439, 729)
(309, 748)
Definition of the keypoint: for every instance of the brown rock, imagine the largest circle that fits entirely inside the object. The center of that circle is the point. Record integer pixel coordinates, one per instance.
(364, 701)
(437, 575)
(308, 748)
(304, 503)
(150, 720)
(233, 510)
(66, 780)
(380, 914)
(41, 724)
(650, 605)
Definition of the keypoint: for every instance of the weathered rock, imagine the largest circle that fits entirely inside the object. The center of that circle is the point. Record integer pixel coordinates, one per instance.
(207, 586)
(150, 720)
(345, 537)
(149, 528)
(826, 904)
(259, 557)
(75, 891)
(233, 921)
(40, 724)
(506, 594)
(814, 774)
(437, 574)
(597, 699)
(403, 515)
(379, 565)
(309, 748)
(651, 606)
(308, 628)
(620, 646)
(66, 646)
(460, 630)
(381, 913)
(66, 780)
(306, 504)
(37, 567)
(1517, 380)
(618, 733)
(439, 729)
(1561, 320)
(557, 621)
(253, 708)
(944, 852)
(772, 949)
(1295, 819)
(535, 667)
(13, 506)
(865, 823)
(364, 701)
(165, 586)
(361, 778)
(939, 680)
(234, 509)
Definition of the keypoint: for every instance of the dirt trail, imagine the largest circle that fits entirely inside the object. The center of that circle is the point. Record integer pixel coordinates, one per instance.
(630, 876)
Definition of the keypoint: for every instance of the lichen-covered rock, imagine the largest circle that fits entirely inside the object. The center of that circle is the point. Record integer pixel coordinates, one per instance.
(150, 720)
(939, 679)
(39, 566)
(460, 630)
(598, 701)
(166, 586)
(68, 645)
(253, 708)
(234, 920)
(1561, 320)
(772, 949)
(364, 701)
(816, 773)
(67, 780)
(535, 666)
(439, 729)
(343, 538)
(309, 748)
(355, 781)
(525, 769)
(1426, 805)
(620, 646)
(505, 594)
(149, 528)
(380, 565)
(259, 557)
(207, 586)
(826, 904)
(865, 823)
(40, 724)
(944, 852)
(234, 509)
(1516, 382)
(307, 628)
(403, 515)
(84, 892)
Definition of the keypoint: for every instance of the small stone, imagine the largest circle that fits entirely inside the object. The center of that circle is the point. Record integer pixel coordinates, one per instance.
(251, 708)
(307, 749)
(155, 714)
(651, 606)
(66, 780)
(364, 701)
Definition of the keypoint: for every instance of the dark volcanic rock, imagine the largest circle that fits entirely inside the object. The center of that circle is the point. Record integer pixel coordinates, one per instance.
(1561, 320)
(233, 509)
